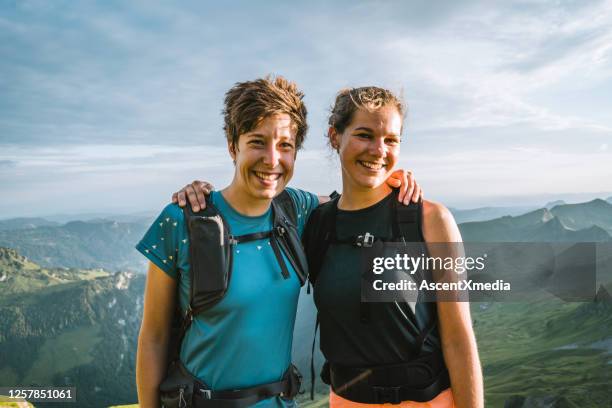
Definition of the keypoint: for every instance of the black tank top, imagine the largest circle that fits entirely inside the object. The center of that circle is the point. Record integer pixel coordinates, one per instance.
(390, 332)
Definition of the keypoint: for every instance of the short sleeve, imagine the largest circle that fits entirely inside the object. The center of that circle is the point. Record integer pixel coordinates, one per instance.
(161, 243)
(305, 204)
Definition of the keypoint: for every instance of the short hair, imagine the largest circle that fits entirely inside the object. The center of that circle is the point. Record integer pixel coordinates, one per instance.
(370, 98)
(247, 103)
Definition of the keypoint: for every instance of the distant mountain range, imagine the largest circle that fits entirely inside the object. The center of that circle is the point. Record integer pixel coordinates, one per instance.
(25, 223)
(552, 204)
(487, 213)
(77, 244)
(584, 222)
(58, 219)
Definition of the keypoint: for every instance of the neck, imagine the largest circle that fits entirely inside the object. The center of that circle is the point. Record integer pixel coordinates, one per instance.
(356, 198)
(244, 203)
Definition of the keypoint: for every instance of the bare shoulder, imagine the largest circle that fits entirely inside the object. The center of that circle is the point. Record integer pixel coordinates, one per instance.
(439, 223)
(435, 211)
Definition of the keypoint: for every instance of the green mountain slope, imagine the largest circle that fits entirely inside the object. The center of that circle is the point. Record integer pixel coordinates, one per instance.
(552, 348)
(18, 274)
(79, 330)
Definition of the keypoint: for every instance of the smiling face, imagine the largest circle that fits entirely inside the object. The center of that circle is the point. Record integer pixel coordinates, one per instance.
(369, 147)
(264, 158)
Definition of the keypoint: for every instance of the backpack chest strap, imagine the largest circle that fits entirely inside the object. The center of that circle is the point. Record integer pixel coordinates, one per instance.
(239, 239)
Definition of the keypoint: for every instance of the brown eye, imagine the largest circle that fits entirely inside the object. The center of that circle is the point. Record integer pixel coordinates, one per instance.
(393, 141)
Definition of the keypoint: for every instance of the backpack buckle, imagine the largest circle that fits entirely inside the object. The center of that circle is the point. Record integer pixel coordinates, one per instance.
(280, 230)
(207, 394)
(365, 241)
(387, 395)
(188, 318)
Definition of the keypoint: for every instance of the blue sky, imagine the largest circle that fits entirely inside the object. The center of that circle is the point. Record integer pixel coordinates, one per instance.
(109, 106)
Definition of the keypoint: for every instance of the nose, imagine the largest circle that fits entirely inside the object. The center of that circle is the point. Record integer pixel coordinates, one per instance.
(271, 156)
(378, 147)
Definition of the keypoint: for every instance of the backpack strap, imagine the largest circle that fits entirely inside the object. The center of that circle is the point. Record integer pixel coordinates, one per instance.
(285, 237)
(312, 364)
(182, 321)
(407, 221)
(322, 223)
(285, 202)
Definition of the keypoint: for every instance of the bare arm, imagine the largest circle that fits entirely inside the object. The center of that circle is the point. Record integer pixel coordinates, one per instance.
(458, 340)
(154, 335)
(195, 192)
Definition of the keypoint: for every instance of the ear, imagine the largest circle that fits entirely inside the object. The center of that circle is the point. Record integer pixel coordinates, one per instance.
(334, 138)
(231, 148)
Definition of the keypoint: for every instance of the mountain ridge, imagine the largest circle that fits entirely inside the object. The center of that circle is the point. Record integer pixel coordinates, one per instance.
(590, 221)
(80, 244)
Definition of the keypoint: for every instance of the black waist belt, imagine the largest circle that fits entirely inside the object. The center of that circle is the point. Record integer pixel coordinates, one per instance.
(183, 390)
(393, 384)
(246, 397)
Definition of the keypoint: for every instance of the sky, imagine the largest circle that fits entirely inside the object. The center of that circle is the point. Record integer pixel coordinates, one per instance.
(111, 106)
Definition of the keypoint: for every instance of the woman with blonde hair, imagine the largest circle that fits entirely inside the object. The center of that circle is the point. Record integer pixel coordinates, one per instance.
(420, 355)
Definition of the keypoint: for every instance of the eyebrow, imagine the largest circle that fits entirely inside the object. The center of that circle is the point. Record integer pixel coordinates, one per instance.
(262, 136)
(364, 128)
(367, 129)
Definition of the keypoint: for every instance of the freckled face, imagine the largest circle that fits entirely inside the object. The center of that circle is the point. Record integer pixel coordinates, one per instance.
(369, 147)
(265, 157)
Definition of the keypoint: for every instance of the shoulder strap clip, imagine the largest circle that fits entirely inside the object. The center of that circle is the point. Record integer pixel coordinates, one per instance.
(365, 241)
(280, 230)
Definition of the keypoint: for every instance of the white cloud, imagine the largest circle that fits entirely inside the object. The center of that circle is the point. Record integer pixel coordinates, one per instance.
(127, 98)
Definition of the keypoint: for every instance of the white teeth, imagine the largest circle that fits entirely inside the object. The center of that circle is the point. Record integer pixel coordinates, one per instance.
(266, 176)
(373, 166)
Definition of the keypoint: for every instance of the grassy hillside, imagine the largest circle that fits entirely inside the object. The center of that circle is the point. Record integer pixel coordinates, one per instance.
(546, 349)
(69, 328)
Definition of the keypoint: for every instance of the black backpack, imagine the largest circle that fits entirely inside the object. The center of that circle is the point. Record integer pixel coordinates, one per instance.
(320, 233)
(211, 253)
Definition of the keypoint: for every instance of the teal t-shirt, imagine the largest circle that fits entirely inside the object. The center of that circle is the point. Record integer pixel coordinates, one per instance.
(245, 339)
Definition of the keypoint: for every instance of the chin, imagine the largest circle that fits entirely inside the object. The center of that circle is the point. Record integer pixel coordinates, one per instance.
(264, 194)
(269, 193)
(370, 182)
